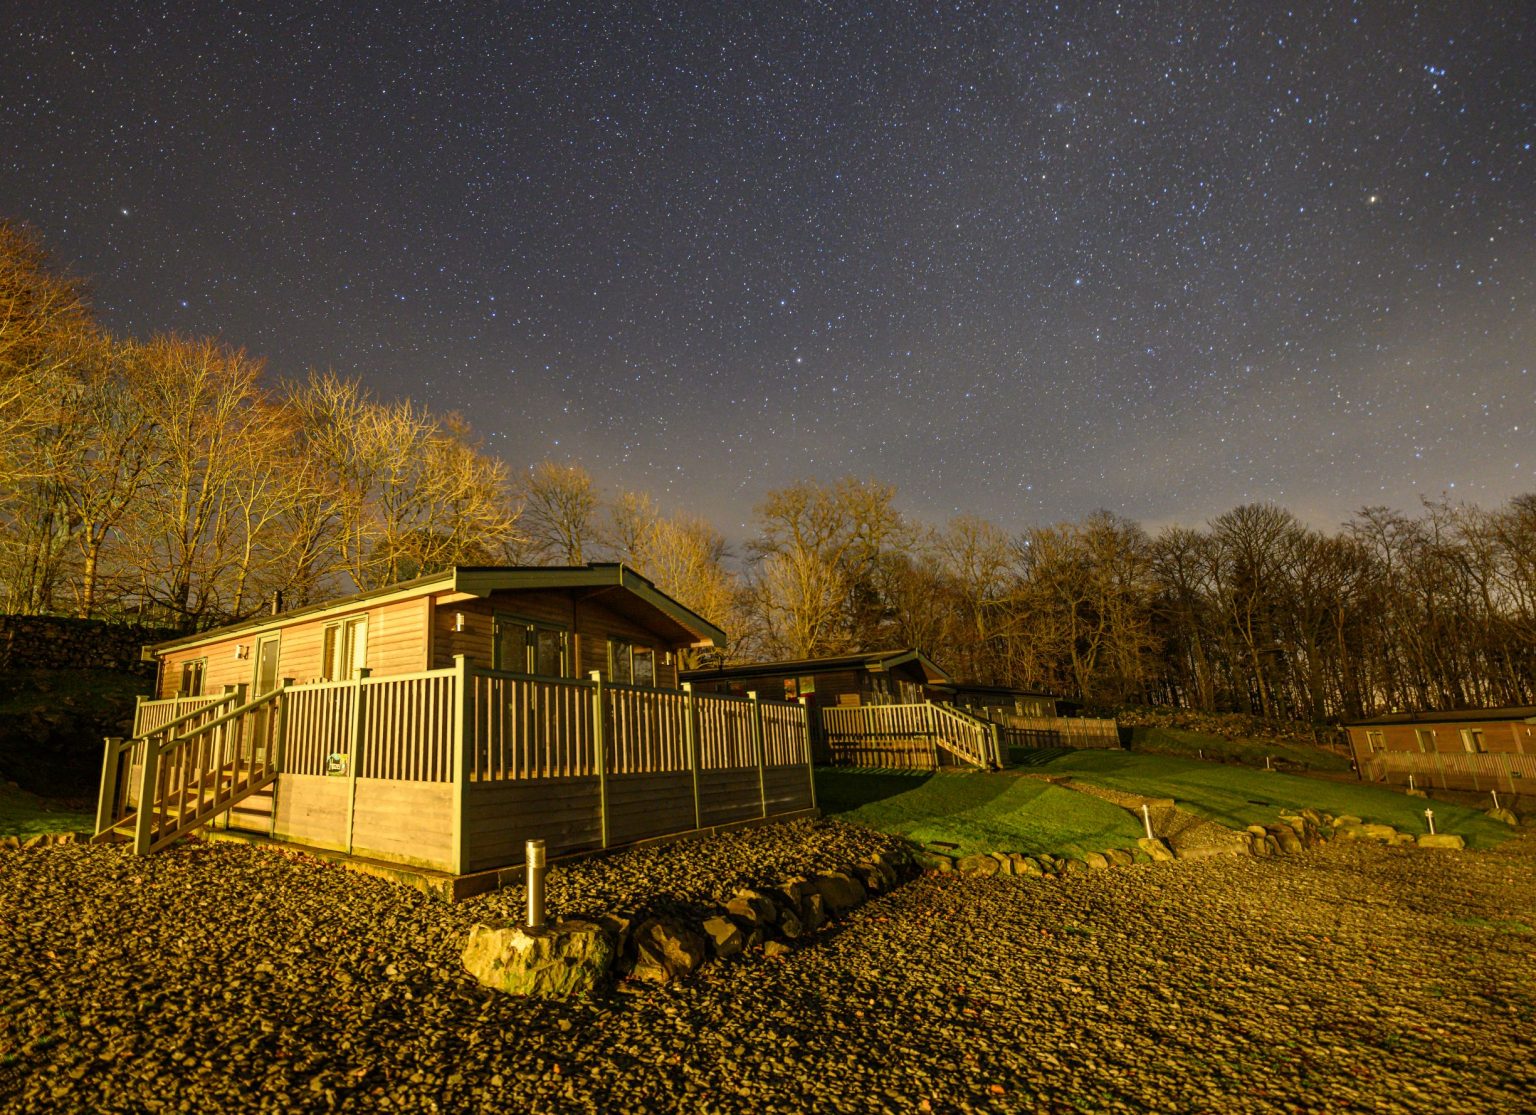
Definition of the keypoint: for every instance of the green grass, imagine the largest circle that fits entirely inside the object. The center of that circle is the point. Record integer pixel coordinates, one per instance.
(24, 814)
(975, 811)
(1497, 925)
(1253, 752)
(1238, 796)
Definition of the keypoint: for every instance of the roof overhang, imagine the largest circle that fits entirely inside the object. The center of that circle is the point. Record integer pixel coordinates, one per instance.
(639, 600)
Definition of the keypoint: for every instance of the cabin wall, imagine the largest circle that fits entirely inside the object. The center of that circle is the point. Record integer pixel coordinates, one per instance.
(1509, 737)
(591, 623)
(397, 644)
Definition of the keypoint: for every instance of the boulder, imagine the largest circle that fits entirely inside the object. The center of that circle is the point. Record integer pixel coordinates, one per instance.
(1004, 863)
(753, 907)
(10, 843)
(724, 936)
(1404, 839)
(1024, 865)
(1258, 845)
(1344, 819)
(1447, 840)
(790, 924)
(1158, 851)
(666, 949)
(566, 959)
(813, 912)
(978, 865)
(840, 891)
(933, 861)
(1287, 842)
(776, 948)
(1119, 857)
(1505, 815)
(1096, 861)
(1382, 834)
(1069, 866)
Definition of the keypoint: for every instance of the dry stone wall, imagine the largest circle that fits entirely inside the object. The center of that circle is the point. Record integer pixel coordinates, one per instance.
(60, 643)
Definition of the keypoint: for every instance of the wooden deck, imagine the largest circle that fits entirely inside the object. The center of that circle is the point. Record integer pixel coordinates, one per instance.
(453, 770)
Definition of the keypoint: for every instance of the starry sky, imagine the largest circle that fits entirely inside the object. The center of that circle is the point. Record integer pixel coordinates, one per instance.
(1021, 260)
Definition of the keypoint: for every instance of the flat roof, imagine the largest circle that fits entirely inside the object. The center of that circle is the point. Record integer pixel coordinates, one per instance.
(1526, 713)
(874, 661)
(480, 580)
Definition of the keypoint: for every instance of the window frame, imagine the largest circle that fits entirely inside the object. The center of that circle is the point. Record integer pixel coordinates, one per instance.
(338, 647)
(625, 652)
(198, 667)
(531, 628)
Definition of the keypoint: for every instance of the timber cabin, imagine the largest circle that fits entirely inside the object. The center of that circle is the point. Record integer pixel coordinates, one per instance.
(1468, 749)
(440, 722)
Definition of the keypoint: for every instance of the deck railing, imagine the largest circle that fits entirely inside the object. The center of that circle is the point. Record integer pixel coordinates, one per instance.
(907, 736)
(1452, 770)
(1078, 732)
(688, 759)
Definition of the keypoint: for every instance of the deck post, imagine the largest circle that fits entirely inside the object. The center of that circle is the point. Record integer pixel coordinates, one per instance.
(149, 776)
(691, 741)
(111, 766)
(599, 744)
(810, 760)
(278, 750)
(462, 739)
(355, 746)
(757, 741)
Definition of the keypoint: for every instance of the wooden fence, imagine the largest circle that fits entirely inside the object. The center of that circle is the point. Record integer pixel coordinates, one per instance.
(1075, 732)
(455, 769)
(1452, 771)
(907, 737)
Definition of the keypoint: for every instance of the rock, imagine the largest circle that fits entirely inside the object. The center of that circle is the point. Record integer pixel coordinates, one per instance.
(1258, 845)
(813, 912)
(1504, 815)
(840, 891)
(1158, 851)
(1403, 839)
(1257, 830)
(1285, 838)
(665, 949)
(1070, 866)
(1096, 861)
(35, 841)
(1447, 840)
(1138, 856)
(933, 861)
(1004, 863)
(753, 907)
(776, 948)
(723, 935)
(1024, 865)
(1381, 833)
(982, 865)
(11, 843)
(1416, 793)
(569, 958)
(869, 875)
(891, 864)
(1347, 832)
(1345, 819)
(1118, 857)
(790, 924)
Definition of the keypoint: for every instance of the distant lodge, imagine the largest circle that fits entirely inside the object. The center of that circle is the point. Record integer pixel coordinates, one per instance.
(1468, 749)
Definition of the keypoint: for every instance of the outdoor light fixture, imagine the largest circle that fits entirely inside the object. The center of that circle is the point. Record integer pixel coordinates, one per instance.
(458, 621)
(242, 650)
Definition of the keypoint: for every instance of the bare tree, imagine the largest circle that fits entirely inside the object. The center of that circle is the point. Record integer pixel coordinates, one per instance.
(560, 515)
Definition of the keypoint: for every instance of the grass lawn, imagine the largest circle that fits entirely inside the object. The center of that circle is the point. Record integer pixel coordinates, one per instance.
(23, 814)
(1178, 741)
(1238, 796)
(975, 811)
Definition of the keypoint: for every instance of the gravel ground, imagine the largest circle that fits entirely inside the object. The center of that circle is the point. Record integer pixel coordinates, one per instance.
(224, 978)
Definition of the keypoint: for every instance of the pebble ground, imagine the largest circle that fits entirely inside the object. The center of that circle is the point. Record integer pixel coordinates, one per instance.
(224, 978)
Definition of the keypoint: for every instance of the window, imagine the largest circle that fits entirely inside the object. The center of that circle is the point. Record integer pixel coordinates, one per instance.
(1426, 738)
(525, 646)
(1472, 740)
(192, 678)
(346, 648)
(630, 664)
(1374, 742)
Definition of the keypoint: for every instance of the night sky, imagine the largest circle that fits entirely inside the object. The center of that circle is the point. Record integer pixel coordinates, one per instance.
(1020, 260)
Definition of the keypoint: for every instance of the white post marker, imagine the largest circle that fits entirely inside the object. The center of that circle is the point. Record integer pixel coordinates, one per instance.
(1146, 816)
(1429, 815)
(1495, 794)
(1266, 763)
(1411, 786)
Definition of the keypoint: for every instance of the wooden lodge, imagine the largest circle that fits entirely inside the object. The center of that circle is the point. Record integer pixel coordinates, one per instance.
(439, 723)
(1466, 749)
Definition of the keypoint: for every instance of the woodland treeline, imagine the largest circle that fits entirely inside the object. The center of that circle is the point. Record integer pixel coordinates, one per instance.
(170, 481)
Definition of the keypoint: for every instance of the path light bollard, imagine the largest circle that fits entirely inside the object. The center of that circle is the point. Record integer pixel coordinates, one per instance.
(1429, 815)
(1146, 817)
(1495, 794)
(1266, 763)
(533, 858)
(1411, 786)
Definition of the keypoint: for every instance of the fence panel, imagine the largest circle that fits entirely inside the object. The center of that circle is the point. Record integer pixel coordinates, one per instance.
(523, 727)
(784, 735)
(318, 725)
(646, 730)
(726, 735)
(408, 727)
(1487, 771)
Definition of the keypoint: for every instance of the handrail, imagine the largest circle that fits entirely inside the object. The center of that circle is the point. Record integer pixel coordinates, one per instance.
(164, 748)
(193, 715)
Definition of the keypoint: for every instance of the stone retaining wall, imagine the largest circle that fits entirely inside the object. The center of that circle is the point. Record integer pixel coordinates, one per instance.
(60, 643)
